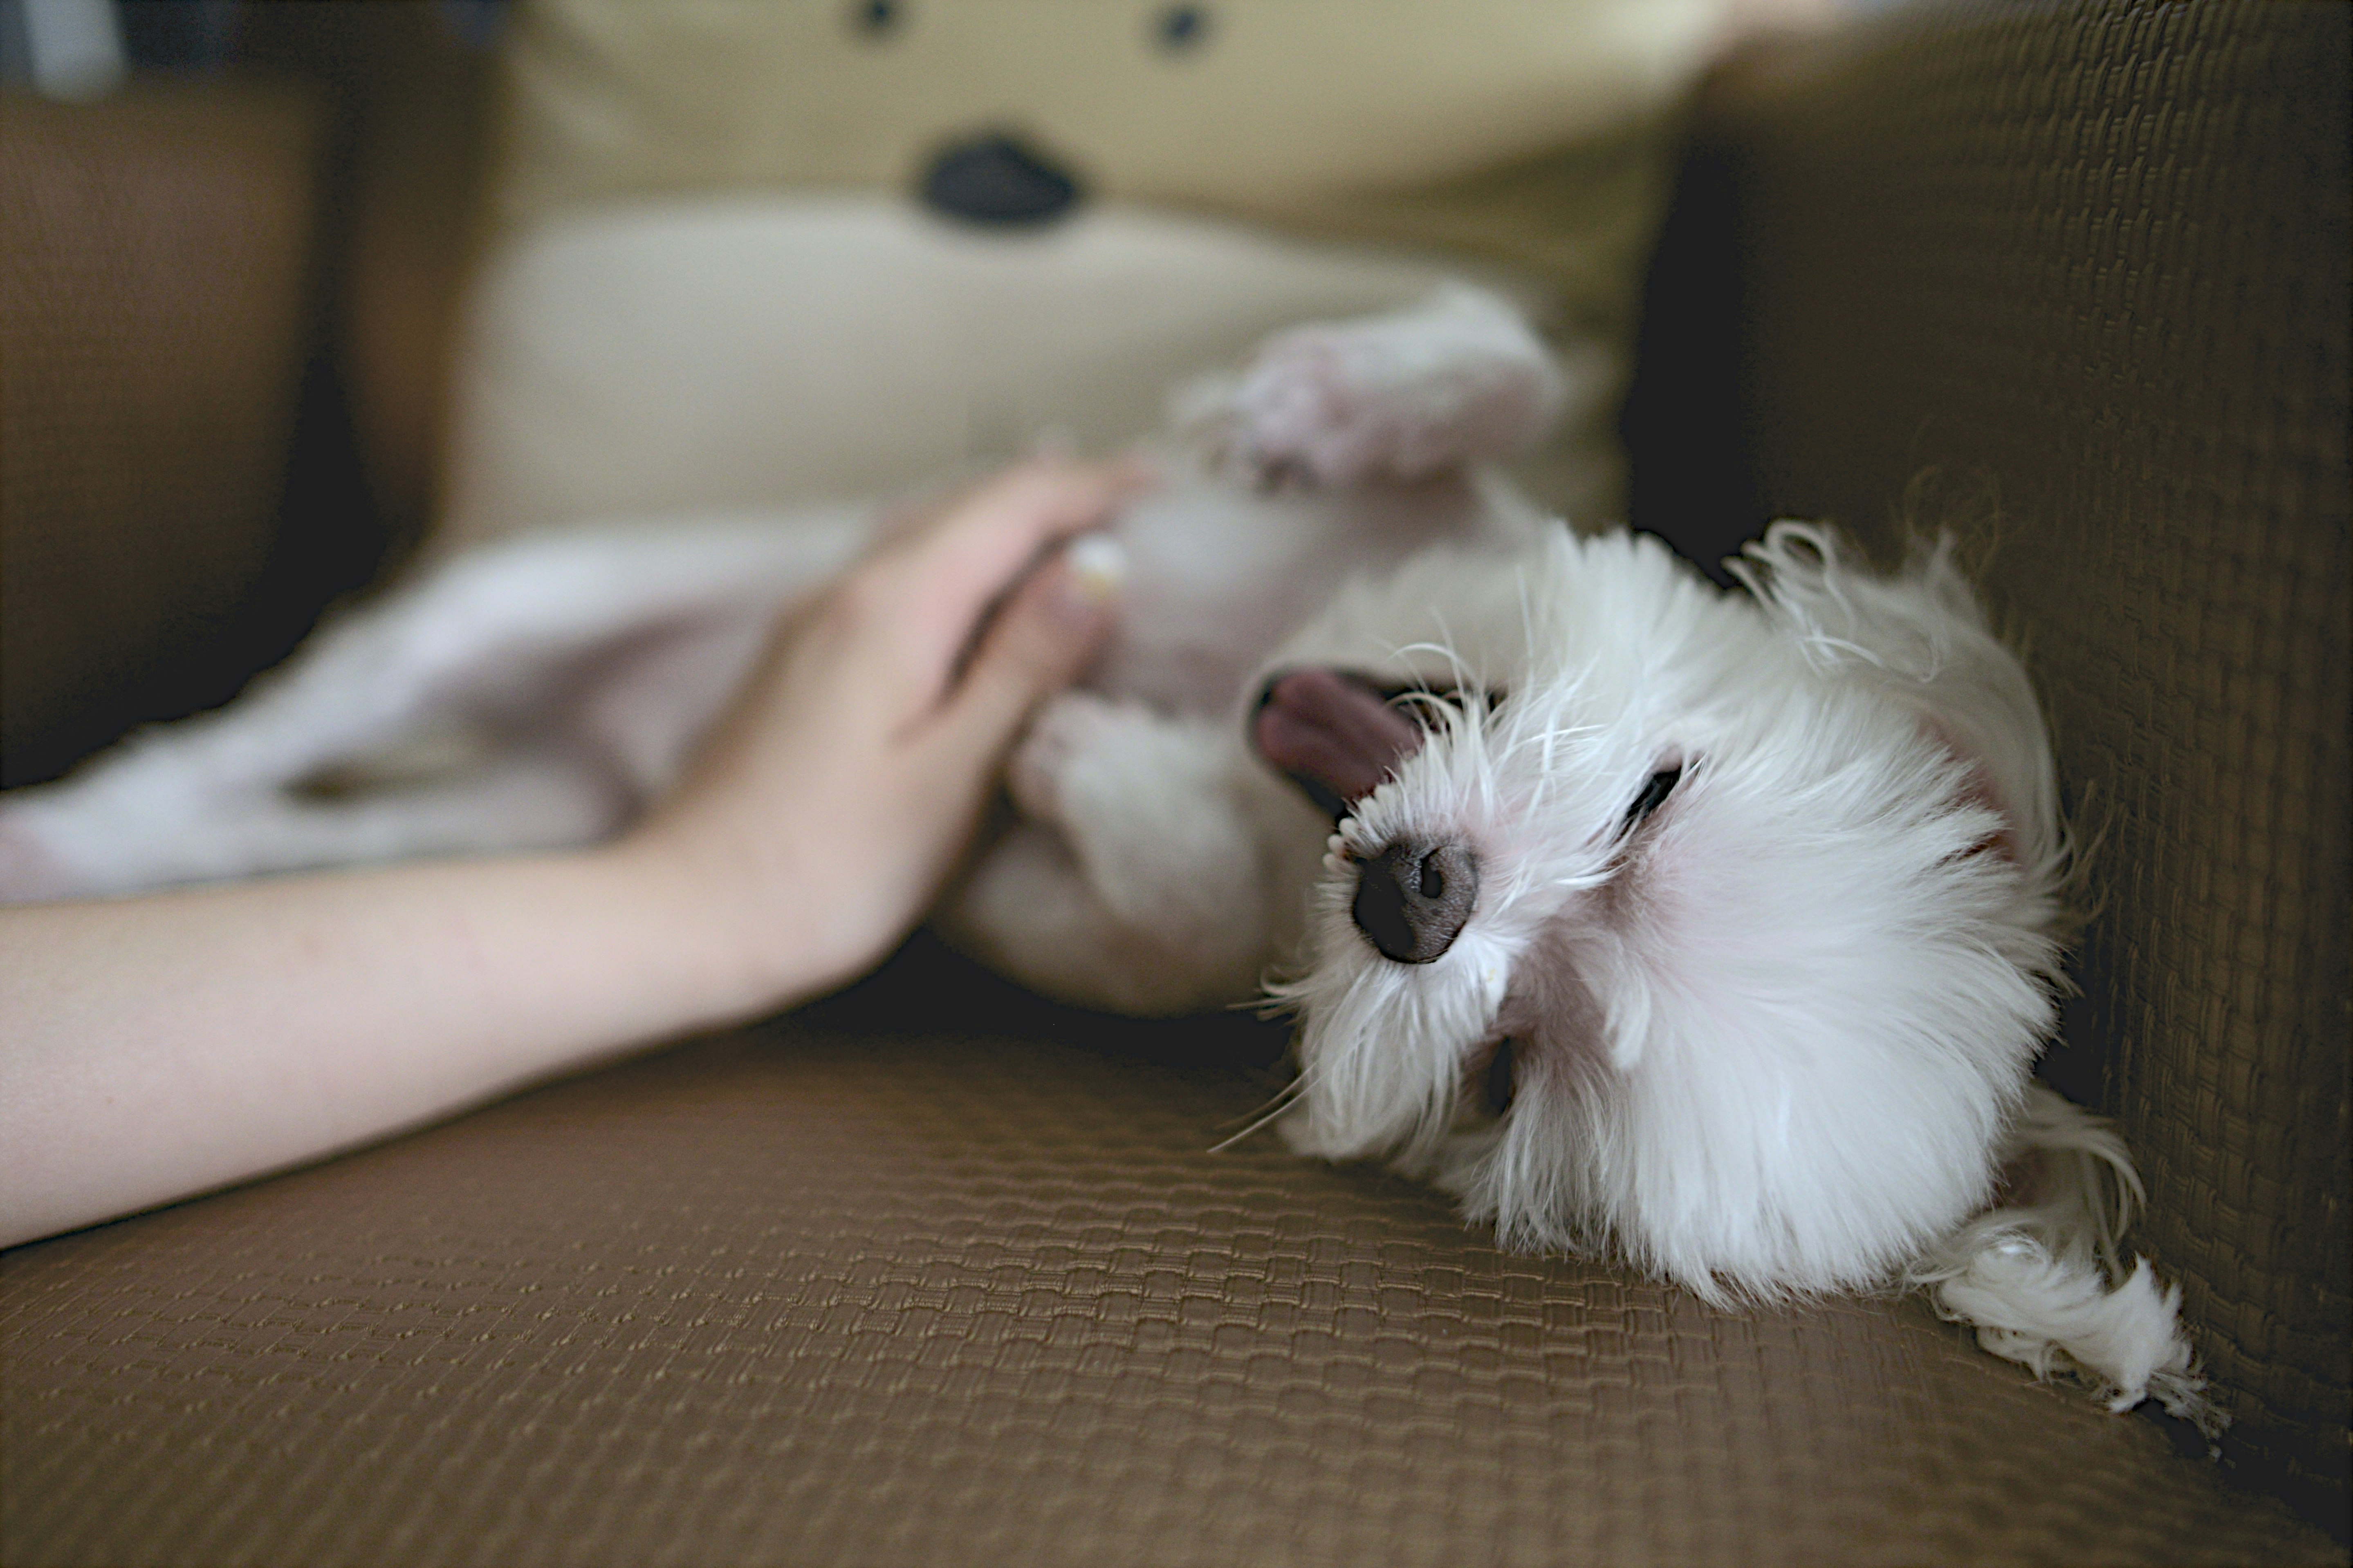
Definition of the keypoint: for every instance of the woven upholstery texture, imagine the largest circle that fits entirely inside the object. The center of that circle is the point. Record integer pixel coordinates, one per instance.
(939, 1274)
(2084, 268)
(848, 1291)
(227, 312)
(156, 302)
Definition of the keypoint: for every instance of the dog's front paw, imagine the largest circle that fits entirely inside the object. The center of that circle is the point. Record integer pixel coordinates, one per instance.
(1143, 806)
(1400, 397)
(1037, 774)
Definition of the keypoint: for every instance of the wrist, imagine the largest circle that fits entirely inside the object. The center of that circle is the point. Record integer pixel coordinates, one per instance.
(707, 921)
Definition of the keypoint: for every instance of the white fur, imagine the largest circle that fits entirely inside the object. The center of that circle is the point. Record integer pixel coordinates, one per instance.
(1775, 1040)
(1772, 1040)
(2041, 1277)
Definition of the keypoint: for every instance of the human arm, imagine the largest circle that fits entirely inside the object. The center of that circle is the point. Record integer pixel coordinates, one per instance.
(160, 1046)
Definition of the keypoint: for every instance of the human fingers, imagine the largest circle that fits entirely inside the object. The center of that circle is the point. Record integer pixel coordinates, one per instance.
(971, 557)
(1037, 645)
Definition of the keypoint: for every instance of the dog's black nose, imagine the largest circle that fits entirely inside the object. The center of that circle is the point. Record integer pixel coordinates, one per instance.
(1413, 899)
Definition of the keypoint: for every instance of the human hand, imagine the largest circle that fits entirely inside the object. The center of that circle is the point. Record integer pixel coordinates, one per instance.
(161, 1045)
(826, 809)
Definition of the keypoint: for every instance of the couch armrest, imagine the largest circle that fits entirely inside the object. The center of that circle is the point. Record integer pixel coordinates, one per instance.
(227, 308)
(2085, 267)
(156, 309)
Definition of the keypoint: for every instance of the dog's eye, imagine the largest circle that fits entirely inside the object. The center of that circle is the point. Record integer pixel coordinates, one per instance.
(1501, 1081)
(1653, 795)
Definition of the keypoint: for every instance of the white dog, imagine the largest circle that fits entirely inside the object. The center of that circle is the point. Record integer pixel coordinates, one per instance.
(1719, 929)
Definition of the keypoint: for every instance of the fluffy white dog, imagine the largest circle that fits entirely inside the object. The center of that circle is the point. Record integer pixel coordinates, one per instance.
(1719, 929)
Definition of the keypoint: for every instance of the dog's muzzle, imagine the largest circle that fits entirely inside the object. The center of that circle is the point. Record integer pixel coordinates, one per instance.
(1337, 735)
(1413, 900)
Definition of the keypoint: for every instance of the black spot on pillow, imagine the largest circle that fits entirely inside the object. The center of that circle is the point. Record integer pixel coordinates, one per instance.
(1181, 28)
(996, 180)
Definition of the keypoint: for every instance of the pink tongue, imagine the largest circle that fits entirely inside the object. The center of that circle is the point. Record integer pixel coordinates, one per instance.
(1331, 732)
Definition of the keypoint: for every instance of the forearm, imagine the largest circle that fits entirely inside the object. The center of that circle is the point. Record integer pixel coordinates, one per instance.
(158, 1047)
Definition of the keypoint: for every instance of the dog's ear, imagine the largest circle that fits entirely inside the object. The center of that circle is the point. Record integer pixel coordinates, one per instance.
(1920, 636)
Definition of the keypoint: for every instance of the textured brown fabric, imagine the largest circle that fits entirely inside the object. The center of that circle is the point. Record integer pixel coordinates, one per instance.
(156, 299)
(862, 1288)
(2091, 264)
(845, 1291)
(412, 107)
(227, 315)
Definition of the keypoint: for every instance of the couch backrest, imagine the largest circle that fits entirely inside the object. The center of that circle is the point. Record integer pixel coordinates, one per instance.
(228, 294)
(2075, 278)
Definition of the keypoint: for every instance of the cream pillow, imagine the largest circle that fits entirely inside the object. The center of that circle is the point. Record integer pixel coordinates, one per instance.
(710, 284)
(716, 353)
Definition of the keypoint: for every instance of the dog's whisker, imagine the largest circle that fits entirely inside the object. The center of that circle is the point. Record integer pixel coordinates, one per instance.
(1276, 1102)
(1284, 1099)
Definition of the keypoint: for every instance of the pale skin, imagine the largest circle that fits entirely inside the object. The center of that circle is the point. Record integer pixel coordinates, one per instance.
(161, 1046)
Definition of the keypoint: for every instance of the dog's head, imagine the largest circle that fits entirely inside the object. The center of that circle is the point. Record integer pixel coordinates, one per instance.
(1720, 926)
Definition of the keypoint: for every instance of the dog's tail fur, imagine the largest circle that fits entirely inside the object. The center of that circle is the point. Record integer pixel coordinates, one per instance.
(2040, 1278)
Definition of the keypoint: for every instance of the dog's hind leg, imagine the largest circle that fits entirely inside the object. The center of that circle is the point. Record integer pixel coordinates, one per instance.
(1460, 378)
(495, 646)
(1136, 881)
(521, 799)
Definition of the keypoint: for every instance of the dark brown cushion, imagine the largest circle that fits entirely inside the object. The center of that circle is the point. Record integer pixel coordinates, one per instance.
(226, 311)
(943, 1276)
(156, 294)
(2084, 271)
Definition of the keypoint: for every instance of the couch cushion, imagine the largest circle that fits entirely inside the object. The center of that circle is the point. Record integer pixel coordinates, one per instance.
(877, 1285)
(226, 310)
(939, 1274)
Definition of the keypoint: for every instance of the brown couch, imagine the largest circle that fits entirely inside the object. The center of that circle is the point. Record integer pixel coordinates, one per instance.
(934, 1272)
